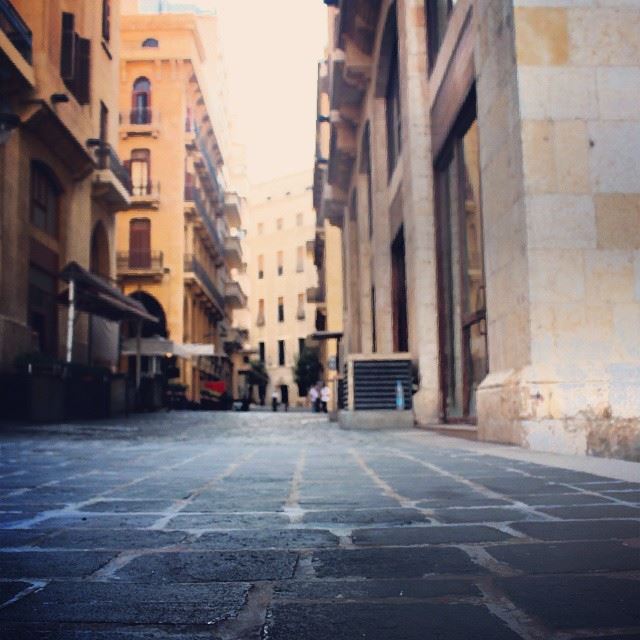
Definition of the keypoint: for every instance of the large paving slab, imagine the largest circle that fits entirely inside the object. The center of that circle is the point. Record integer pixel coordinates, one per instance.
(250, 526)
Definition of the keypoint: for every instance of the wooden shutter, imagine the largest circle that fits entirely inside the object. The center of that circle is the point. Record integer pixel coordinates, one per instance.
(67, 48)
(140, 243)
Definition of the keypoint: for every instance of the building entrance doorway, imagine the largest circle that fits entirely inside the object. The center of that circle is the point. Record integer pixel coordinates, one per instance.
(284, 396)
(461, 290)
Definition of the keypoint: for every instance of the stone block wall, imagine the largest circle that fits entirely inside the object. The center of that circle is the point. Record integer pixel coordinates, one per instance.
(575, 227)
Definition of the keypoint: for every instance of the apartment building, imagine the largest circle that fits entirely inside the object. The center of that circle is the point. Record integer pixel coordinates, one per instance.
(61, 182)
(285, 296)
(180, 243)
(482, 172)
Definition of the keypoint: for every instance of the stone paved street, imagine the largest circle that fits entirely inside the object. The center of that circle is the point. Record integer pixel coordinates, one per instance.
(248, 526)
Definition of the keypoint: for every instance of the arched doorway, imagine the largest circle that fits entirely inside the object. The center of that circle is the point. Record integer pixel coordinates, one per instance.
(151, 304)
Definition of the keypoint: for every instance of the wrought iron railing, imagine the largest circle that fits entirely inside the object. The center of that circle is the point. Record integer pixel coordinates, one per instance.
(142, 189)
(207, 221)
(191, 264)
(141, 115)
(108, 159)
(140, 260)
(16, 29)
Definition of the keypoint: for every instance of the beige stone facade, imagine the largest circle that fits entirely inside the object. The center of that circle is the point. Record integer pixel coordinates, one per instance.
(60, 180)
(180, 244)
(483, 173)
(281, 227)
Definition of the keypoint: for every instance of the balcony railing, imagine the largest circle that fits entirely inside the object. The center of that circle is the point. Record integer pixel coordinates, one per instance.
(140, 261)
(192, 265)
(234, 295)
(210, 166)
(207, 221)
(15, 28)
(108, 159)
(141, 115)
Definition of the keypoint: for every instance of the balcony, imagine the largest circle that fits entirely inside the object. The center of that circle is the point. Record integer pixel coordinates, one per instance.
(140, 122)
(145, 195)
(111, 181)
(16, 42)
(315, 295)
(195, 272)
(207, 169)
(233, 252)
(140, 264)
(212, 238)
(234, 296)
(232, 209)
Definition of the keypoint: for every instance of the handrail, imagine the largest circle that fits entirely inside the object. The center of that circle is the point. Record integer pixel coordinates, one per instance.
(191, 263)
(208, 223)
(108, 159)
(16, 30)
(143, 260)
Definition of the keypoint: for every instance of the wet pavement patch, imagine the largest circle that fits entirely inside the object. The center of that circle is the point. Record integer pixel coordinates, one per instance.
(411, 536)
(393, 563)
(410, 621)
(210, 567)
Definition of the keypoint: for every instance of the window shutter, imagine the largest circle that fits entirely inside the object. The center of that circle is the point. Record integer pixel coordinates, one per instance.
(106, 19)
(83, 68)
(67, 48)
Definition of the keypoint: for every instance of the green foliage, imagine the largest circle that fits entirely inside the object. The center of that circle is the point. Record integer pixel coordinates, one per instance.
(307, 370)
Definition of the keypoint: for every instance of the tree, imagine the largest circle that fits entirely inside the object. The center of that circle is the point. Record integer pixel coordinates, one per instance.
(307, 370)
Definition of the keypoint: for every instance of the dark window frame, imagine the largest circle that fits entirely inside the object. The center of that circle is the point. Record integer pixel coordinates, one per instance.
(106, 20)
(281, 353)
(437, 14)
(281, 309)
(45, 193)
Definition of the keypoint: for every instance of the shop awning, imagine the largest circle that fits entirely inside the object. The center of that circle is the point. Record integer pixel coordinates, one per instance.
(96, 296)
(162, 347)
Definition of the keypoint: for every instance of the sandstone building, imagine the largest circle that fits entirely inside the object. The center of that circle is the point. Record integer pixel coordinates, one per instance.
(180, 243)
(483, 172)
(285, 296)
(60, 178)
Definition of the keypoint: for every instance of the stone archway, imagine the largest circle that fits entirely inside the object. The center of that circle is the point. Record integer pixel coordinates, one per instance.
(151, 304)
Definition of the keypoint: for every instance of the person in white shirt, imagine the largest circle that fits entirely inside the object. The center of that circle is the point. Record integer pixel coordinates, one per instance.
(325, 396)
(313, 398)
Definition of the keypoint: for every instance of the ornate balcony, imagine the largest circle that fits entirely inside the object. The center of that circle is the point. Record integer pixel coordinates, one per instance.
(111, 181)
(232, 209)
(16, 45)
(195, 273)
(233, 252)
(234, 296)
(145, 195)
(140, 122)
(140, 264)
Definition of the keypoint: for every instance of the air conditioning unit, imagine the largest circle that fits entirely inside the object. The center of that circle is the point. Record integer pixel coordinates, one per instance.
(378, 391)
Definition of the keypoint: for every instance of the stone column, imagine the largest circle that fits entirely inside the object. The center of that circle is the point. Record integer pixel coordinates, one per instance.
(418, 207)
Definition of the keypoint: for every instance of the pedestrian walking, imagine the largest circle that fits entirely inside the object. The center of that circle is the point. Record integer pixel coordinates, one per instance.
(274, 401)
(325, 396)
(313, 398)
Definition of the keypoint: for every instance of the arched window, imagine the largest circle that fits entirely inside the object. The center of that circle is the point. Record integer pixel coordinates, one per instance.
(140, 243)
(150, 42)
(141, 101)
